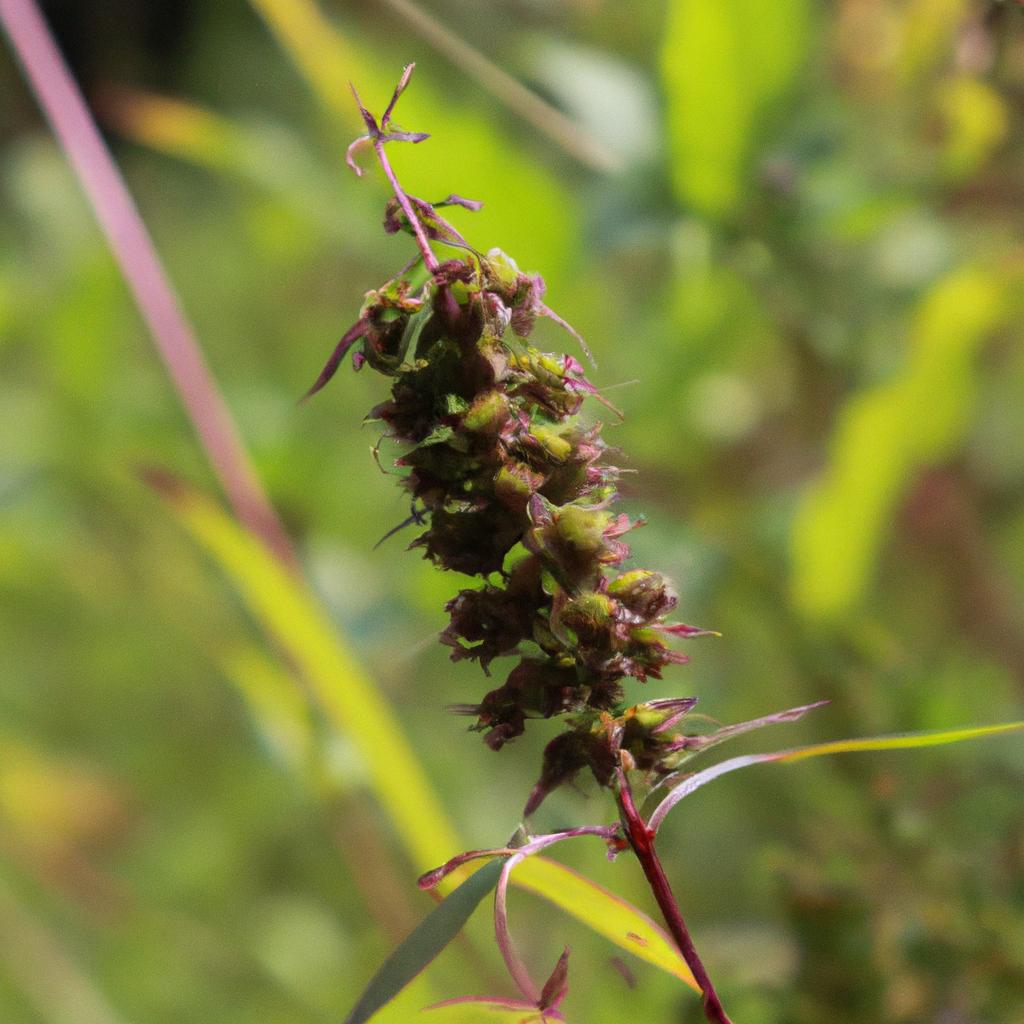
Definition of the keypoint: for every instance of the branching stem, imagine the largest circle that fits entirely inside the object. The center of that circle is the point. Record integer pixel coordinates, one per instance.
(641, 839)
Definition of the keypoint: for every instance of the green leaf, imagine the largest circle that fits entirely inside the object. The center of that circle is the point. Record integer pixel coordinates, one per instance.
(483, 1011)
(725, 65)
(284, 606)
(885, 436)
(607, 914)
(905, 741)
(289, 612)
(425, 941)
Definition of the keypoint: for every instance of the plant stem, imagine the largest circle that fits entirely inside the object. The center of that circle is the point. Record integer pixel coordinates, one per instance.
(132, 247)
(641, 839)
(429, 259)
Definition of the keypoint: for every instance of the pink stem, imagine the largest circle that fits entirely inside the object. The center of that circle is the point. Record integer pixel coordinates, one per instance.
(429, 259)
(516, 967)
(641, 839)
(133, 249)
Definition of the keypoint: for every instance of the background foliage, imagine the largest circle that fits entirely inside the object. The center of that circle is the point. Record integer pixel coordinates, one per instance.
(808, 258)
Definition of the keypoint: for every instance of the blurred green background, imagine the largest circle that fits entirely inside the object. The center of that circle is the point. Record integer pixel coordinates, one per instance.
(795, 236)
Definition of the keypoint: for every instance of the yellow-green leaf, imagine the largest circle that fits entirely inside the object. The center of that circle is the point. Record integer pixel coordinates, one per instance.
(288, 611)
(905, 741)
(887, 434)
(607, 914)
(724, 66)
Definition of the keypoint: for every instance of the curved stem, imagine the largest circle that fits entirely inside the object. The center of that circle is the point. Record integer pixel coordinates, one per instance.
(641, 839)
(429, 259)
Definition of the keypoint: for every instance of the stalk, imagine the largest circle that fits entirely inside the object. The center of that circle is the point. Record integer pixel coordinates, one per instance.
(641, 839)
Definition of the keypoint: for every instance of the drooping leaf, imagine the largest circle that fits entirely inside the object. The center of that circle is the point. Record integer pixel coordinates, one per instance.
(728, 732)
(424, 943)
(902, 742)
(607, 914)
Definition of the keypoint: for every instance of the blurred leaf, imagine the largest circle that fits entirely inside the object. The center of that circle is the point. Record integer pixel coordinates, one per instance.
(35, 958)
(54, 802)
(290, 613)
(976, 122)
(885, 436)
(429, 937)
(927, 28)
(607, 914)
(276, 704)
(725, 65)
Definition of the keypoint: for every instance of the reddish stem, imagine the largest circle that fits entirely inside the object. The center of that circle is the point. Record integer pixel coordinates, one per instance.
(429, 259)
(132, 247)
(641, 839)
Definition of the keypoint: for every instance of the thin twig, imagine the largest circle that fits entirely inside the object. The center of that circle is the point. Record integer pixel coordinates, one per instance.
(75, 129)
(641, 839)
(547, 119)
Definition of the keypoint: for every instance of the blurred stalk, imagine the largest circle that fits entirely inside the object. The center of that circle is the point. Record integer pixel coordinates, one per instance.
(73, 125)
(44, 970)
(521, 100)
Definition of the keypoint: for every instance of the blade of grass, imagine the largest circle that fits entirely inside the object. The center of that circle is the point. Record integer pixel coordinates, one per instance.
(524, 102)
(429, 937)
(290, 613)
(43, 969)
(76, 131)
(604, 912)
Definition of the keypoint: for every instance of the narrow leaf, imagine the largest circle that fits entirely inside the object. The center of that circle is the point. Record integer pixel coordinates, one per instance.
(607, 914)
(901, 742)
(712, 739)
(481, 1010)
(426, 940)
(285, 607)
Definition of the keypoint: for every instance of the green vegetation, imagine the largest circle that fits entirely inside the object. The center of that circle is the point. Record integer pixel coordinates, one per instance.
(808, 260)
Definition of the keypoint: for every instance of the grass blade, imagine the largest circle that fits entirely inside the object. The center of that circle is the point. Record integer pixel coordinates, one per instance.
(143, 272)
(429, 937)
(291, 614)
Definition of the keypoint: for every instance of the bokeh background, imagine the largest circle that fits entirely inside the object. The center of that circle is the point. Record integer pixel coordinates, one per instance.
(791, 233)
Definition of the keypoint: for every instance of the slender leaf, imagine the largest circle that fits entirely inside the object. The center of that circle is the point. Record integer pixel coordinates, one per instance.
(902, 742)
(426, 940)
(607, 914)
(727, 732)
(290, 613)
(481, 1010)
